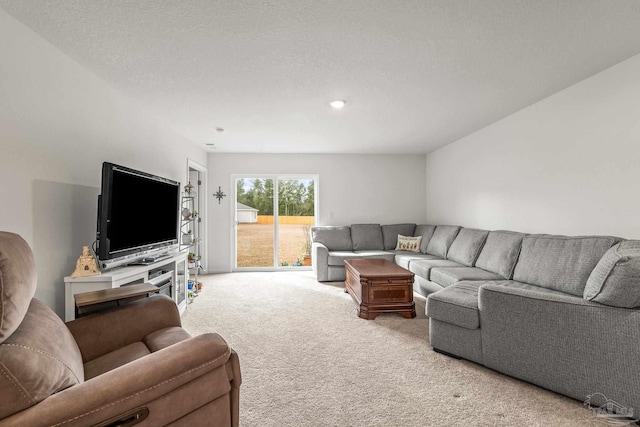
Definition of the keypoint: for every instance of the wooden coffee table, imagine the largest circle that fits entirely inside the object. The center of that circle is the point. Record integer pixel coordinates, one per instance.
(379, 286)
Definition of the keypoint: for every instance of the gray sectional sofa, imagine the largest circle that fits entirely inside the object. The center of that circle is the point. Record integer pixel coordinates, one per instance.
(561, 312)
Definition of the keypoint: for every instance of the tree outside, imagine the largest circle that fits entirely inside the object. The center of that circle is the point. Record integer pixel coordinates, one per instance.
(296, 197)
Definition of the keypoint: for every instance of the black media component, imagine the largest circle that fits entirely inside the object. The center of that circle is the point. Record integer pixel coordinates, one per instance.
(137, 212)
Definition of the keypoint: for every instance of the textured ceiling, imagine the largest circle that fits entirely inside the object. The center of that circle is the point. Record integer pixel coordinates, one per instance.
(416, 74)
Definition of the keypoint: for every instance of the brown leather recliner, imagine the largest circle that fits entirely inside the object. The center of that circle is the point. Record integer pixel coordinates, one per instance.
(132, 364)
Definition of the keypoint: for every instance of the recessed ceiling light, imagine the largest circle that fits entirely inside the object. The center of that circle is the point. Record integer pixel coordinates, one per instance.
(338, 103)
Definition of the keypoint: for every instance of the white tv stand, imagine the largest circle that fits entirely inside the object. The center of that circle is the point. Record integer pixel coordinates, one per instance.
(168, 270)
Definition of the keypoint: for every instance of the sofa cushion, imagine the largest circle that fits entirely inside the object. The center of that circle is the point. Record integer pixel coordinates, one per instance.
(457, 304)
(616, 279)
(442, 239)
(367, 237)
(334, 238)
(17, 282)
(447, 276)
(390, 233)
(467, 246)
(426, 231)
(115, 359)
(338, 257)
(561, 263)
(389, 256)
(403, 258)
(39, 359)
(500, 252)
(422, 267)
(408, 243)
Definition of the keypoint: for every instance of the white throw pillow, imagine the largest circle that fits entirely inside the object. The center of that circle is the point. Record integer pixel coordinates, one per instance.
(408, 243)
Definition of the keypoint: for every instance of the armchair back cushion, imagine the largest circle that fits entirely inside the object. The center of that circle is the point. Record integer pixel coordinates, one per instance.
(18, 280)
(38, 354)
(442, 239)
(334, 238)
(426, 231)
(616, 279)
(500, 252)
(367, 237)
(467, 246)
(560, 263)
(39, 359)
(390, 234)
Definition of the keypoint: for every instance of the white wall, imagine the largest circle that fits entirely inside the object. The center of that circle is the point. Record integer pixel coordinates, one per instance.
(247, 217)
(569, 164)
(352, 188)
(58, 123)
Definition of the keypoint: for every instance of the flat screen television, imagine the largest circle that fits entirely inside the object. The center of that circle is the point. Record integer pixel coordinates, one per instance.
(137, 212)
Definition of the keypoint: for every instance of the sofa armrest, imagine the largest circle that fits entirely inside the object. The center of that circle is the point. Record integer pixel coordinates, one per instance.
(106, 331)
(320, 261)
(143, 382)
(561, 342)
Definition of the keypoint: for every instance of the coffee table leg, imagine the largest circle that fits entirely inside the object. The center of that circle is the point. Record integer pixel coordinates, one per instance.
(408, 315)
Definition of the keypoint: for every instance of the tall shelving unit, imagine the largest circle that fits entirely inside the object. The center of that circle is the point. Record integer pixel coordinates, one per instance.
(190, 236)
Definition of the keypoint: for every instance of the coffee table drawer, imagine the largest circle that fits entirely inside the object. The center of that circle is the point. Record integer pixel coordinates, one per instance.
(385, 294)
(389, 281)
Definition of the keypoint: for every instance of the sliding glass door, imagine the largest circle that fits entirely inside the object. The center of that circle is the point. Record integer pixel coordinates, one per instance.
(273, 215)
(255, 231)
(296, 214)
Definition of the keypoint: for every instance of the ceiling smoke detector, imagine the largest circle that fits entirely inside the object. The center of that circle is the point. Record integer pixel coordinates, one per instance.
(338, 103)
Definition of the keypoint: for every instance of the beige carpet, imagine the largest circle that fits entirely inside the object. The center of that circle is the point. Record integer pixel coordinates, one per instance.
(308, 360)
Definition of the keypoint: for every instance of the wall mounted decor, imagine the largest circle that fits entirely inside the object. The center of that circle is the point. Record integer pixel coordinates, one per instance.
(219, 195)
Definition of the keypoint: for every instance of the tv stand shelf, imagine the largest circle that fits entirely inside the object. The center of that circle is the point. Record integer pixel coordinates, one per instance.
(90, 302)
(173, 269)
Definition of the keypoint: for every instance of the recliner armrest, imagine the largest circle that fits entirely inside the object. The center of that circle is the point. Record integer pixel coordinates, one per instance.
(140, 383)
(106, 331)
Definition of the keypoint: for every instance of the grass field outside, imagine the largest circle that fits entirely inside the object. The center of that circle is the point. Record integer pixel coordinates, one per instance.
(255, 244)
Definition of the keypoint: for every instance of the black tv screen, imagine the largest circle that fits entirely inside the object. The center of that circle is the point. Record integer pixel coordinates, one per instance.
(137, 212)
